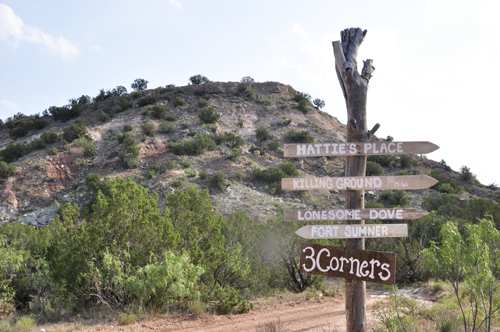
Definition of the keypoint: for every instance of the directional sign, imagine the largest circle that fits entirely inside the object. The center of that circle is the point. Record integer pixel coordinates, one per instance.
(358, 149)
(373, 266)
(354, 214)
(402, 182)
(352, 231)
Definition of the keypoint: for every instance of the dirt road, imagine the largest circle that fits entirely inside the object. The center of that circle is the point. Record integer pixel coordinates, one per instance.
(294, 314)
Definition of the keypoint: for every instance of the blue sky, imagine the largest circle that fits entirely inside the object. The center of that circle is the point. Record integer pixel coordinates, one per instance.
(436, 78)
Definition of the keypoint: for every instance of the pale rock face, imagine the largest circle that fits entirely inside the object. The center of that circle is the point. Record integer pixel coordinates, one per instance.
(40, 217)
(7, 213)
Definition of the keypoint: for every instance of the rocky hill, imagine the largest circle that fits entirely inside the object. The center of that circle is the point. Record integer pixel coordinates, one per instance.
(55, 173)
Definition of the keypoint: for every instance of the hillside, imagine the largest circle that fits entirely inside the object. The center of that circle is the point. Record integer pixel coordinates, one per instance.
(46, 178)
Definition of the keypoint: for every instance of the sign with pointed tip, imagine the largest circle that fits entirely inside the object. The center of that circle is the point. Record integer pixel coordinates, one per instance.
(354, 214)
(401, 182)
(319, 232)
(372, 266)
(358, 149)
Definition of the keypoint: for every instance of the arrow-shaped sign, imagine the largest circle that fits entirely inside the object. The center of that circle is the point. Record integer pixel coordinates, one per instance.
(402, 182)
(358, 149)
(354, 214)
(352, 231)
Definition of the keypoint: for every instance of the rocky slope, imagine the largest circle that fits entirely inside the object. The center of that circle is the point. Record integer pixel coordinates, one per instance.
(44, 181)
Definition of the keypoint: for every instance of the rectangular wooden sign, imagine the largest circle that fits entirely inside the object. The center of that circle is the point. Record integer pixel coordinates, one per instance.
(372, 266)
(401, 182)
(352, 231)
(354, 214)
(358, 149)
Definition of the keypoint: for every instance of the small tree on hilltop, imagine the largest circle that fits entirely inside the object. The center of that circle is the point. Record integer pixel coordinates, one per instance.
(247, 79)
(199, 79)
(139, 84)
(318, 103)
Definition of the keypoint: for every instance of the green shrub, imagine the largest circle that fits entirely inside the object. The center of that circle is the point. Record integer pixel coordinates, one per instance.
(148, 129)
(466, 174)
(103, 117)
(373, 168)
(232, 140)
(24, 324)
(65, 113)
(179, 102)
(191, 173)
(12, 152)
(121, 137)
(235, 153)
(210, 127)
(126, 319)
(136, 94)
(304, 100)
(75, 131)
(146, 100)
(139, 84)
(124, 104)
(273, 175)
(394, 197)
(133, 151)
(185, 163)
(128, 141)
(170, 118)
(199, 144)
(256, 148)
(198, 79)
(445, 165)
(166, 128)
(318, 103)
(218, 180)
(250, 93)
(88, 146)
(406, 161)
(274, 145)
(54, 151)
(203, 175)
(457, 188)
(18, 132)
(265, 101)
(240, 123)
(202, 103)
(209, 115)
(7, 170)
(239, 175)
(437, 287)
(49, 137)
(384, 161)
(128, 127)
(404, 173)
(262, 134)
(299, 136)
(93, 181)
(170, 165)
(158, 112)
(37, 144)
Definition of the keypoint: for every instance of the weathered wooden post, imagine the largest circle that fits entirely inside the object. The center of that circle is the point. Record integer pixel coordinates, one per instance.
(355, 89)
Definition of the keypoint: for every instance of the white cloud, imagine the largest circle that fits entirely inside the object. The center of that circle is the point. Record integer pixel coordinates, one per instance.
(96, 48)
(176, 3)
(298, 30)
(10, 104)
(13, 31)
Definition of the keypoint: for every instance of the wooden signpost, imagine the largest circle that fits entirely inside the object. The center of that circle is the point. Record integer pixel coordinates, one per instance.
(358, 149)
(352, 231)
(354, 214)
(351, 264)
(359, 183)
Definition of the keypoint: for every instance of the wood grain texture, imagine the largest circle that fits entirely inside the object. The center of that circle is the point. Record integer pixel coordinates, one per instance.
(355, 89)
(358, 149)
(354, 214)
(358, 183)
(351, 264)
(320, 232)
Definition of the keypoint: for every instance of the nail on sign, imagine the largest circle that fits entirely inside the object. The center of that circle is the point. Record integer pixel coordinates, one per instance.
(352, 231)
(373, 266)
(358, 149)
(402, 182)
